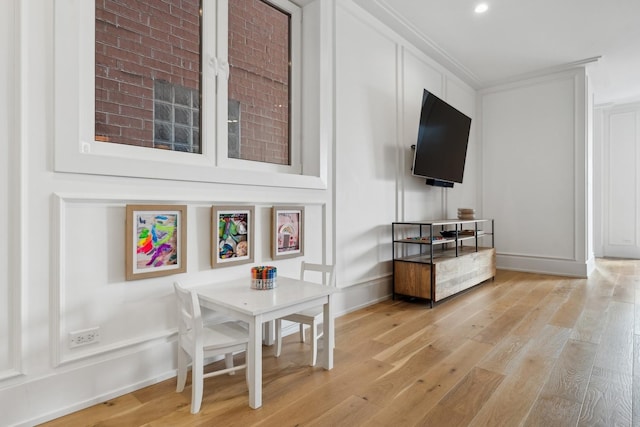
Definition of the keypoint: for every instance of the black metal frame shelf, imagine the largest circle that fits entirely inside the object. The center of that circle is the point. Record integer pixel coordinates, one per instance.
(431, 240)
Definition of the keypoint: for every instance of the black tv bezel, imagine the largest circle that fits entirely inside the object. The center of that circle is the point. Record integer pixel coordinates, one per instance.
(425, 115)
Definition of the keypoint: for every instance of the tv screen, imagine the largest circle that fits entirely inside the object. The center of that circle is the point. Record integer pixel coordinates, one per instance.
(441, 149)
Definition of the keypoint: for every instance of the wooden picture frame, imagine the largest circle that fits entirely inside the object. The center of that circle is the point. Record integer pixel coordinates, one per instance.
(155, 240)
(232, 229)
(287, 239)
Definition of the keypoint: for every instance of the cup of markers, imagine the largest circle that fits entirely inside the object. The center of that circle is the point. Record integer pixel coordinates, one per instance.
(263, 277)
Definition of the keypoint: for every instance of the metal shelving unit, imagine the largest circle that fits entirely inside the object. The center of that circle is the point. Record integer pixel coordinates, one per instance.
(448, 236)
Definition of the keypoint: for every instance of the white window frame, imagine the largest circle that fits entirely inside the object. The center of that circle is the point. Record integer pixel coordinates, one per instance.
(295, 89)
(77, 151)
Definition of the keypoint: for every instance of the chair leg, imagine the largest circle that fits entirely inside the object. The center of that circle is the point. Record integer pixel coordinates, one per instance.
(278, 327)
(333, 342)
(197, 379)
(314, 343)
(182, 369)
(246, 373)
(301, 332)
(228, 362)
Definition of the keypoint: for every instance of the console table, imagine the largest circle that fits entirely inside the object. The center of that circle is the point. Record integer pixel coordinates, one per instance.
(435, 259)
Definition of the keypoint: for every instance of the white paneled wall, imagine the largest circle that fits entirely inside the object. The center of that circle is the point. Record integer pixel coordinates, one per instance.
(10, 198)
(90, 289)
(534, 162)
(6, 106)
(618, 171)
(379, 83)
(365, 146)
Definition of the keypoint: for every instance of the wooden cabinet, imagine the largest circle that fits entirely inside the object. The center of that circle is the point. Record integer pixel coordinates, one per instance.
(433, 260)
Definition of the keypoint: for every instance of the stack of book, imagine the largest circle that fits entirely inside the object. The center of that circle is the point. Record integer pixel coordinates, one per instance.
(466, 213)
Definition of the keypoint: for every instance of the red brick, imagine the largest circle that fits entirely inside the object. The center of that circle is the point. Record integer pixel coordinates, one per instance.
(133, 26)
(119, 9)
(165, 57)
(139, 47)
(124, 121)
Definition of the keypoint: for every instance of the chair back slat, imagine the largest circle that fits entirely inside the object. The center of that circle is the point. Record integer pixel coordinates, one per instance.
(189, 314)
(328, 272)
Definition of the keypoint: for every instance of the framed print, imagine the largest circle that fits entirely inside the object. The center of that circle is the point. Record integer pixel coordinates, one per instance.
(288, 236)
(232, 235)
(155, 240)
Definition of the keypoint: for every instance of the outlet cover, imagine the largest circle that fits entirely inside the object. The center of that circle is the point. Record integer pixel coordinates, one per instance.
(84, 337)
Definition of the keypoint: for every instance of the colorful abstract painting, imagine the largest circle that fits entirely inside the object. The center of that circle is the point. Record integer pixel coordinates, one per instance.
(232, 235)
(155, 240)
(288, 226)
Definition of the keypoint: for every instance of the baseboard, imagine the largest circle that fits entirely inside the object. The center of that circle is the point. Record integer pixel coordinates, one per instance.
(50, 396)
(553, 266)
(363, 294)
(97, 399)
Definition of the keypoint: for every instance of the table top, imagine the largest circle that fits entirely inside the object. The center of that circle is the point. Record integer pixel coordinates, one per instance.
(239, 296)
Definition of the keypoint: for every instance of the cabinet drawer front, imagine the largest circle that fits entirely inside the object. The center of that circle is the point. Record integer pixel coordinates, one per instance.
(412, 279)
(457, 274)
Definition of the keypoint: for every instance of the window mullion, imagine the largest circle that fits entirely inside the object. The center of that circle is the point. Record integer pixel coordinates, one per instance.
(216, 106)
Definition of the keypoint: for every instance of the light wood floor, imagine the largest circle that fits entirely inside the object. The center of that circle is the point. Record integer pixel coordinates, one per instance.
(525, 349)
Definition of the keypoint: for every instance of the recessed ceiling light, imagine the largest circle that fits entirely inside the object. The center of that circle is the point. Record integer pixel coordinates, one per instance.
(482, 8)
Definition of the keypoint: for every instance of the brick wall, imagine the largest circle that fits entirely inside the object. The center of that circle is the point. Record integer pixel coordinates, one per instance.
(140, 41)
(137, 42)
(259, 80)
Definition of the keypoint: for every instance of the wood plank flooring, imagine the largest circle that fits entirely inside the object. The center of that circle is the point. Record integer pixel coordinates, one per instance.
(524, 349)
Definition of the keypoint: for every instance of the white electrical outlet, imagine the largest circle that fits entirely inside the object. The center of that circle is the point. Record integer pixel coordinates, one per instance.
(84, 337)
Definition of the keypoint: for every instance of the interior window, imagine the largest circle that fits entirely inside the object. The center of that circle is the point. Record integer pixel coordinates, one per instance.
(147, 74)
(259, 73)
(140, 74)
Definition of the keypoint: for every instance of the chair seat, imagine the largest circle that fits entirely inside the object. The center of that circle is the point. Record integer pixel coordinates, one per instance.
(224, 335)
(312, 316)
(221, 335)
(301, 316)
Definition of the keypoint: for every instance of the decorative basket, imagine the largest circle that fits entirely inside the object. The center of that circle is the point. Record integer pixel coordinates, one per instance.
(263, 277)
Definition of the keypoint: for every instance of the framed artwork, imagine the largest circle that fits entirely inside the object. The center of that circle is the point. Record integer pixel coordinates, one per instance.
(232, 235)
(155, 240)
(287, 229)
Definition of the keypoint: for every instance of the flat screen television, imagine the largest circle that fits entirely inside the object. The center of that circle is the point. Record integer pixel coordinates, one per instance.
(443, 136)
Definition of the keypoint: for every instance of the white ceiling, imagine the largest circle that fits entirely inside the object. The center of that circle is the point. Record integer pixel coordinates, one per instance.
(517, 38)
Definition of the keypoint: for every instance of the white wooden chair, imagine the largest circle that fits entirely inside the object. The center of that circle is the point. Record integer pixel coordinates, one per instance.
(198, 342)
(311, 317)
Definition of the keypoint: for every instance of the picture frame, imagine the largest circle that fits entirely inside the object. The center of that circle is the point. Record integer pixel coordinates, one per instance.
(155, 240)
(232, 229)
(287, 239)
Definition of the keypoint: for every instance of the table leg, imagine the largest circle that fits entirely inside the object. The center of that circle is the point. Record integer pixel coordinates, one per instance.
(328, 332)
(254, 363)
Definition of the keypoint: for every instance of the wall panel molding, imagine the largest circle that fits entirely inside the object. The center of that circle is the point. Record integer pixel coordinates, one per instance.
(12, 201)
(620, 174)
(60, 354)
(535, 172)
(68, 207)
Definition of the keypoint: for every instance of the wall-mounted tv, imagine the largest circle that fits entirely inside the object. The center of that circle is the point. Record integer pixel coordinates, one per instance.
(443, 136)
